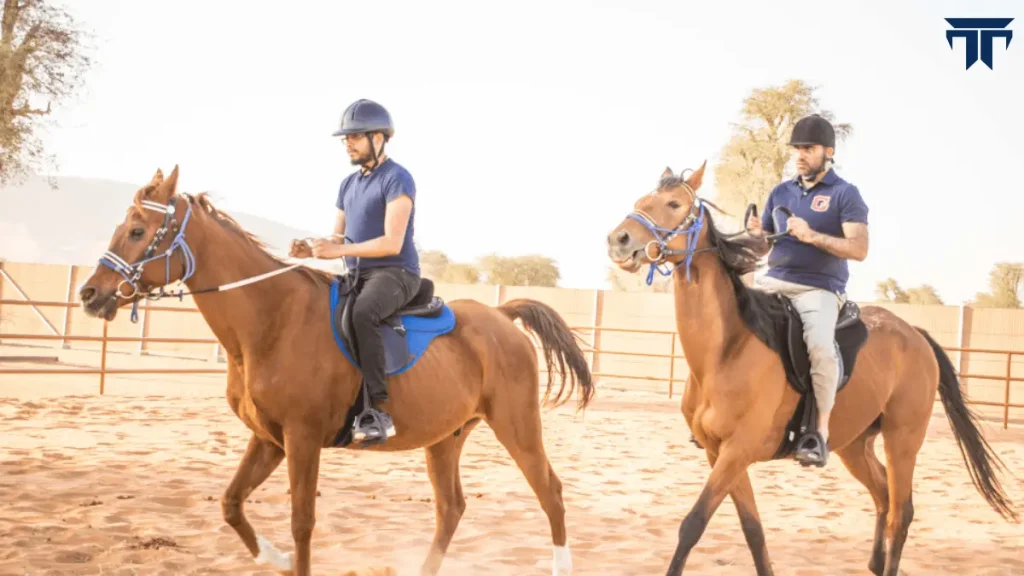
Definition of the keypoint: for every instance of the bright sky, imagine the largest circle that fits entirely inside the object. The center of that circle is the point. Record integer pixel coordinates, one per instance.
(532, 126)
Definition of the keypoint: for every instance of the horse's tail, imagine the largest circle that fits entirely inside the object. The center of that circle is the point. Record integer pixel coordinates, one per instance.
(977, 454)
(559, 343)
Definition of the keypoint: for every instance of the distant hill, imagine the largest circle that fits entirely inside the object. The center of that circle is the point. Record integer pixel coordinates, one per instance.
(79, 217)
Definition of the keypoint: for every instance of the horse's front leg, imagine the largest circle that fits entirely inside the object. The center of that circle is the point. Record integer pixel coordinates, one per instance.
(259, 462)
(731, 463)
(302, 449)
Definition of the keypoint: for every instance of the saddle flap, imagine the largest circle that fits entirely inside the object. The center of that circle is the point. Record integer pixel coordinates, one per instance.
(396, 349)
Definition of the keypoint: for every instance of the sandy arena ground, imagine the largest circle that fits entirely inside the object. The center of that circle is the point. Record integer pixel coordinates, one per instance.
(130, 484)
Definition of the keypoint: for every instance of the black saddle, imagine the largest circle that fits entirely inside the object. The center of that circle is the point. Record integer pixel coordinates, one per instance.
(851, 334)
(423, 304)
(393, 334)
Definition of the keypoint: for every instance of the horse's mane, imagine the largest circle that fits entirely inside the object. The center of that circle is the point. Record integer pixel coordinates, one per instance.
(202, 201)
(226, 221)
(761, 312)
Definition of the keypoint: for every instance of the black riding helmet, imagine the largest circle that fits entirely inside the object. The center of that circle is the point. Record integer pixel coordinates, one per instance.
(813, 129)
(366, 116)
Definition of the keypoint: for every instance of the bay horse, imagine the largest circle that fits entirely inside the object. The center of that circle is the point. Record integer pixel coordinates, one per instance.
(739, 402)
(288, 382)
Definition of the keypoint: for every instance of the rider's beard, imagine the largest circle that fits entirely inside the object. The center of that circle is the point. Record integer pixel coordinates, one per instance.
(812, 167)
(361, 159)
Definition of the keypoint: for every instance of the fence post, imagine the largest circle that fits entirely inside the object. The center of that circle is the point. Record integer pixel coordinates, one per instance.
(143, 329)
(1006, 399)
(595, 339)
(103, 359)
(67, 309)
(672, 367)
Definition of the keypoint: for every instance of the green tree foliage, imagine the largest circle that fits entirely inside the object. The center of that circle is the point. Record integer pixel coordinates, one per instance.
(889, 290)
(755, 158)
(529, 270)
(1006, 284)
(925, 295)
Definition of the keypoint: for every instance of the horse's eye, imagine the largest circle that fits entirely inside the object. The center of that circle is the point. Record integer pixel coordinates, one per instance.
(674, 205)
(136, 233)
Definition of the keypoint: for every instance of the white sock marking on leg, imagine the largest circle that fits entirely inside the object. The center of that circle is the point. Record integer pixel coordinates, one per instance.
(271, 555)
(562, 561)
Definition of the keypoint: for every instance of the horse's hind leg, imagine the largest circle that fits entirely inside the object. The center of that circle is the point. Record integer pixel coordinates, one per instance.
(259, 462)
(859, 458)
(742, 495)
(903, 440)
(449, 502)
(517, 425)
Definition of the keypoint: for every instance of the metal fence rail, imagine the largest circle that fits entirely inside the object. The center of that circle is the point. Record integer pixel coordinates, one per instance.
(672, 356)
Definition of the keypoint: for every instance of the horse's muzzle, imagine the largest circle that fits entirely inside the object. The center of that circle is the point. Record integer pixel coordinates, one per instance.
(97, 303)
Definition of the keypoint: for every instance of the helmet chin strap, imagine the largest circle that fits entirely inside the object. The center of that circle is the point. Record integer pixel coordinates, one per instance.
(373, 151)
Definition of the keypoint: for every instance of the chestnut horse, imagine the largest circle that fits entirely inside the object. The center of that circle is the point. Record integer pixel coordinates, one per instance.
(738, 402)
(289, 383)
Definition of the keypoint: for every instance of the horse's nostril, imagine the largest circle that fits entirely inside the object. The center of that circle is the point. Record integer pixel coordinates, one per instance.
(87, 294)
(622, 238)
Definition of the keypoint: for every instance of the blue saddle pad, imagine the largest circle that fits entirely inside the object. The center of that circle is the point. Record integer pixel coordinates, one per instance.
(401, 352)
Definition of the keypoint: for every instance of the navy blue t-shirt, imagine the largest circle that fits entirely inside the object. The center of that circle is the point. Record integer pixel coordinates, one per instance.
(825, 207)
(364, 200)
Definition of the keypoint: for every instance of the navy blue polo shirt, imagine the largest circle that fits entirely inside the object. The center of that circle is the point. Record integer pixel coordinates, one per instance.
(826, 206)
(364, 199)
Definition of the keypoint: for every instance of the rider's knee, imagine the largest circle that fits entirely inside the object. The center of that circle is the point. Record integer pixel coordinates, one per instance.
(823, 352)
(364, 315)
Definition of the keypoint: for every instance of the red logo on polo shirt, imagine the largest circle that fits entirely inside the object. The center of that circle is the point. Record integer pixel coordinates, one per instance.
(820, 203)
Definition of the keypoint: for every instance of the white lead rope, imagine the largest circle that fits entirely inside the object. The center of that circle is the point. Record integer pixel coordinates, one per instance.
(256, 279)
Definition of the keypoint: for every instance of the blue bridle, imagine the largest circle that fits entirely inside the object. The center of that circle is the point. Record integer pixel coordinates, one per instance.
(132, 273)
(691, 227)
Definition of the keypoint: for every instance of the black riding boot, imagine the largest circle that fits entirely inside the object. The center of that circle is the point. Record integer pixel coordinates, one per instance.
(812, 450)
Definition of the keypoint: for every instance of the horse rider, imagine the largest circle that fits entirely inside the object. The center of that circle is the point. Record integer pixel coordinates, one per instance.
(809, 264)
(376, 214)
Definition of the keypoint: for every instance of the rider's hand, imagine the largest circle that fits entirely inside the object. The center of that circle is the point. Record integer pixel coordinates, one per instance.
(300, 249)
(754, 226)
(324, 248)
(799, 228)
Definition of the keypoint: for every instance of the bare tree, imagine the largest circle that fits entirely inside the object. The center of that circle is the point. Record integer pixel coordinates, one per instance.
(43, 58)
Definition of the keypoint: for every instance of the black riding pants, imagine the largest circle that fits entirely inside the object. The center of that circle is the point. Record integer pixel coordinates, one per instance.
(384, 291)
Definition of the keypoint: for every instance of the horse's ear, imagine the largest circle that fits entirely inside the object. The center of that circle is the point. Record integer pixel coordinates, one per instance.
(157, 178)
(167, 188)
(668, 172)
(698, 175)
